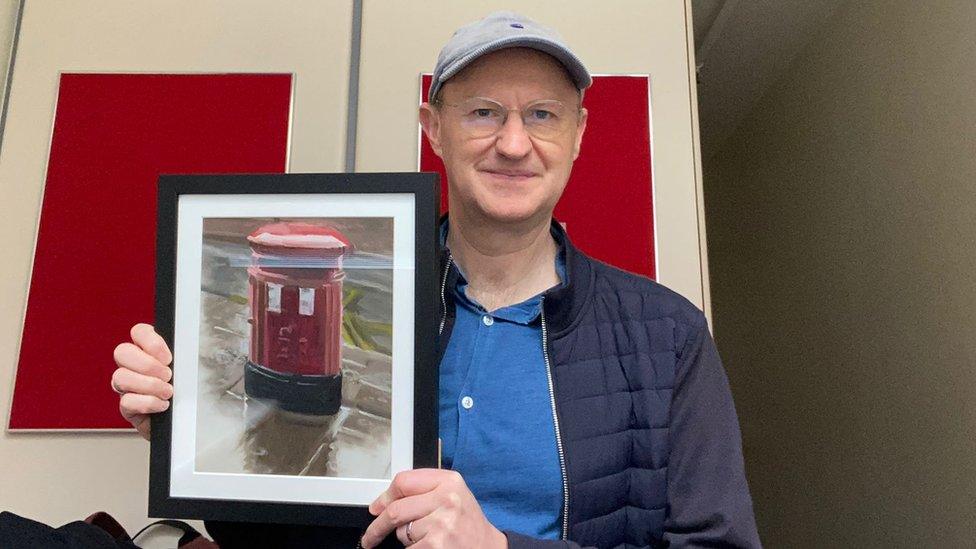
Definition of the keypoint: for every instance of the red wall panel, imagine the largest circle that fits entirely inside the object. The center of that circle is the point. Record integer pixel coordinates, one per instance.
(94, 261)
(608, 204)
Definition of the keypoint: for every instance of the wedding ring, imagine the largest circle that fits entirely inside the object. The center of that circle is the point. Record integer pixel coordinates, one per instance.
(409, 538)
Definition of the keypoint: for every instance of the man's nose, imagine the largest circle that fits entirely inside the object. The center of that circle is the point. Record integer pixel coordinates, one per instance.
(512, 140)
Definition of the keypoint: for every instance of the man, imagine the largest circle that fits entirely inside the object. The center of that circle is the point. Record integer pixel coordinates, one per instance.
(579, 405)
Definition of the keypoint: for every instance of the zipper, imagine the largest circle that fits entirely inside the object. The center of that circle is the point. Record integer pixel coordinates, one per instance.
(447, 269)
(555, 420)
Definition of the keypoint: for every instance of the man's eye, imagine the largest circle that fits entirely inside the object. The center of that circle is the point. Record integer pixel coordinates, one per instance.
(484, 113)
(542, 114)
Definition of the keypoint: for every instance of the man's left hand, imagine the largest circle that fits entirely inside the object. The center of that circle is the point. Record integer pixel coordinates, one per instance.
(436, 508)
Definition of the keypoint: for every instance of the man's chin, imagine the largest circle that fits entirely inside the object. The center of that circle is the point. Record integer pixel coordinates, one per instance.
(514, 215)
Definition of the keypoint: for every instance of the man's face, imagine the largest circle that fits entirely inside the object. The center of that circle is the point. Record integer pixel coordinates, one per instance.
(518, 172)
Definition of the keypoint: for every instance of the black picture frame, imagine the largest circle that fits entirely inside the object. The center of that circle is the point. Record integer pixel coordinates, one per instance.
(174, 190)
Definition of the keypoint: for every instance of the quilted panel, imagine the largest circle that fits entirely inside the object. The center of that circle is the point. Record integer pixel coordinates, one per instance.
(642, 498)
(600, 457)
(628, 526)
(594, 531)
(637, 534)
(598, 416)
(650, 448)
(601, 496)
(614, 374)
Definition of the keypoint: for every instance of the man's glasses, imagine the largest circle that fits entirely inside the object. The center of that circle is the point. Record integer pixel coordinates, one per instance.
(482, 117)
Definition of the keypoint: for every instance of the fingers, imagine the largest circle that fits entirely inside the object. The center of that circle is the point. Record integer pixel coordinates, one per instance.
(142, 377)
(411, 483)
(129, 381)
(131, 357)
(133, 405)
(443, 514)
(417, 529)
(142, 424)
(152, 343)
(399, 513)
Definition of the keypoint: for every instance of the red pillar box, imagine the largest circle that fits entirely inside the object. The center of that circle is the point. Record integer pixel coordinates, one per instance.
(295, 283)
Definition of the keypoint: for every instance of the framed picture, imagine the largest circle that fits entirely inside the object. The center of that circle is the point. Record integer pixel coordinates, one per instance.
(302, 313)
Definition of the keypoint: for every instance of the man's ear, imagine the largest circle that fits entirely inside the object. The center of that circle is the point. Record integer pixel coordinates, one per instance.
(580, 128)
(430, 121)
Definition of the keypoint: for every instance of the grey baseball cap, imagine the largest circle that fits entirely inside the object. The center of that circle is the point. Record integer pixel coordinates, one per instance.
(498, 31)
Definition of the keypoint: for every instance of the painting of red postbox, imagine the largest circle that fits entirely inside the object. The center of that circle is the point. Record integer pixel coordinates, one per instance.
(295, 347)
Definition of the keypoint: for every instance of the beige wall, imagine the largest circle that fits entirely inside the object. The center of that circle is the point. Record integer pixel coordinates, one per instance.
(8, 25)
(842, 245)
(58, 477)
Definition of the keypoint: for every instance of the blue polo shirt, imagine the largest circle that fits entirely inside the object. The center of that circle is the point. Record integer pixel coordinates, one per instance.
(496, 422)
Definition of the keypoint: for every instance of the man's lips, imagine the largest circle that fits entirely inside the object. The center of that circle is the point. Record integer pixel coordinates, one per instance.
(509, 174)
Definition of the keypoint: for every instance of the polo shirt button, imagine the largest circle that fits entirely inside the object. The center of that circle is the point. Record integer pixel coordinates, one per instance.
(488, 320)
(467, 402)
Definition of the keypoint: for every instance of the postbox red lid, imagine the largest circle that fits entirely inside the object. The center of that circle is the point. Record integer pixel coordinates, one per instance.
(296, 235)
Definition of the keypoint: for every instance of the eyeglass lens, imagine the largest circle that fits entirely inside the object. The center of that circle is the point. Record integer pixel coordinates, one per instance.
(483, 117)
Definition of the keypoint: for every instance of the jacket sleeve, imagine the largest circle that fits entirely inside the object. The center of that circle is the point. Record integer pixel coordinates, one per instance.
(708, 497)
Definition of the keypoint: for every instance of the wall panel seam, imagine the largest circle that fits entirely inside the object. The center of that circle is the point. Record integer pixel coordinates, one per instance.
(352, 120)
(10, 70)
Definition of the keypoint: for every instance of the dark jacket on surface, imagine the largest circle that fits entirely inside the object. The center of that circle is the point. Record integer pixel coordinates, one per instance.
(649, 436)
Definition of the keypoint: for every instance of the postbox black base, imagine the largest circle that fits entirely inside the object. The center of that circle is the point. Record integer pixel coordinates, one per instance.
(303, 394)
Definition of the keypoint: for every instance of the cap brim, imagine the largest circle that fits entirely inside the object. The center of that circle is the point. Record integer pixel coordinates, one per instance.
(577, 71)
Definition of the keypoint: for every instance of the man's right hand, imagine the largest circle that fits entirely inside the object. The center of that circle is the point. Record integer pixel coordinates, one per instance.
(142, 377)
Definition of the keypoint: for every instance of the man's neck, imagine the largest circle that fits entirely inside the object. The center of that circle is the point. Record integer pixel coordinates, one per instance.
(504, 264)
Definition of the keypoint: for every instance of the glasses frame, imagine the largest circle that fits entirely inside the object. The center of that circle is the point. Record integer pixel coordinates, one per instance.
(438, 102)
